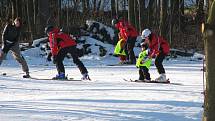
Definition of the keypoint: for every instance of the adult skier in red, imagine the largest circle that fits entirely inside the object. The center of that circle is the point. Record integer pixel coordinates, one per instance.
(61, 44)
(159, 48)
(129, 34)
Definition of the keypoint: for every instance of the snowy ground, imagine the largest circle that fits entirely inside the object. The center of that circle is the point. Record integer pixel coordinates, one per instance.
(106, 98)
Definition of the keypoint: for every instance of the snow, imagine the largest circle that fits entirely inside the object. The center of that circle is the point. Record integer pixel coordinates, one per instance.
(108, 29)
(106, 98)
(38, 41)
(95, 45)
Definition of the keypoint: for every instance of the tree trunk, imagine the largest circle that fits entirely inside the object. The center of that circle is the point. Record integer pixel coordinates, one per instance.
(174, 13)
(142, 10)
(84, 6)
(136, 15)
(209, 107)
(8, 11)
(181, 15)
(35, 10)
(131, 16)
(163, 19)
(113, 8)
(124, 8)
(94, 6)
(200, 12)
(88, 5)
(150, 13)
(13, 5)
(67, 16)
(99, 6)
(59, 13)
(43, 13)
(210, 3)
(117, 7)
(29, 18)
(19, 8)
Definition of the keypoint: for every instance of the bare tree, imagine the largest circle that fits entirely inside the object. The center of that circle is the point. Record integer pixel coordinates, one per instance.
(59, 13)
(142, 10)
(42, 16)
(163, 18)
(151, 11)
(209, 107)
(200, 12)
(131, 16)
(13, 5)
(113, 8)
(136, 15)
(29, 4)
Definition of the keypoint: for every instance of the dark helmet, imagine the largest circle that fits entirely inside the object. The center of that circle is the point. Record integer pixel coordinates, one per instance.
(114, 21)
(48, 29)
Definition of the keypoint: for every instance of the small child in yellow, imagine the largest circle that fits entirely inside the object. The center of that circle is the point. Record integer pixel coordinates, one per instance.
(119, 50)
(144, 63)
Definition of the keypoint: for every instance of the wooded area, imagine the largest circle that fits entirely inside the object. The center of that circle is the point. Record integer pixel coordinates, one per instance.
(178, 22)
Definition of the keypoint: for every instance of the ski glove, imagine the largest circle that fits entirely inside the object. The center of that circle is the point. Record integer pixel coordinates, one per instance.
(54, 59)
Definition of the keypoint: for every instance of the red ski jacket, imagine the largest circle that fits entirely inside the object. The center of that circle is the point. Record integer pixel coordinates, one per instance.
(58, 40)
(157, 45)
(126, 29)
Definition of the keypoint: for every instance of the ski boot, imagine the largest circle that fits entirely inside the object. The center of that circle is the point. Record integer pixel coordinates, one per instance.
(60, 76)
(26, 75)
(85, 77)
(161, 78)
(147, 80)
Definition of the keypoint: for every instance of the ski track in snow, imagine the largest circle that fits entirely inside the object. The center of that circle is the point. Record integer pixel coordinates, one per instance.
(106, 98)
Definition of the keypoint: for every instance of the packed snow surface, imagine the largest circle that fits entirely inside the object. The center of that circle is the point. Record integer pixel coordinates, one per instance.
(106, 98)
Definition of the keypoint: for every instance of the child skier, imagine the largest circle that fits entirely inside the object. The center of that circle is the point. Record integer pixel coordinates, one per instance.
(119, 51)
(143, 63)
(61, 44)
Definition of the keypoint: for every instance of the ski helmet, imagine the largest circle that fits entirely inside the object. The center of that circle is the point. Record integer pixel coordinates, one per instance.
(114, 21)
(48, 29)
(145, 33)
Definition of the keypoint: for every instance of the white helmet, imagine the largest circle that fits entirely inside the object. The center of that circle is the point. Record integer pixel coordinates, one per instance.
(145, 33)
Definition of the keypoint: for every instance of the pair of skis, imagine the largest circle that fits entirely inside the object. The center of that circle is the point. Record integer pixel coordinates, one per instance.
(152, 81)
(36, 78)
(68, 79)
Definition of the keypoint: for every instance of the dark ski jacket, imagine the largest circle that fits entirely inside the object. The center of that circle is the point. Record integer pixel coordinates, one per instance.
(10, 36)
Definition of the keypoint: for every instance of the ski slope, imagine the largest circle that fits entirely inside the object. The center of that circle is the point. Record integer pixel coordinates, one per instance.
(106, 98)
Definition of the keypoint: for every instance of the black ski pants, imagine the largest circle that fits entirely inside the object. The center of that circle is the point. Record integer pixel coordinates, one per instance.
(144, 73)
(129, 46)
(63, 53)
(158, 63)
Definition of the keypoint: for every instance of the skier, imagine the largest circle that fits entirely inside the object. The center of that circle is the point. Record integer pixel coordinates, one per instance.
(129, 34)
(143, 63)
(159, 48)
(61, 44)
(10, 42)
(119, 51)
